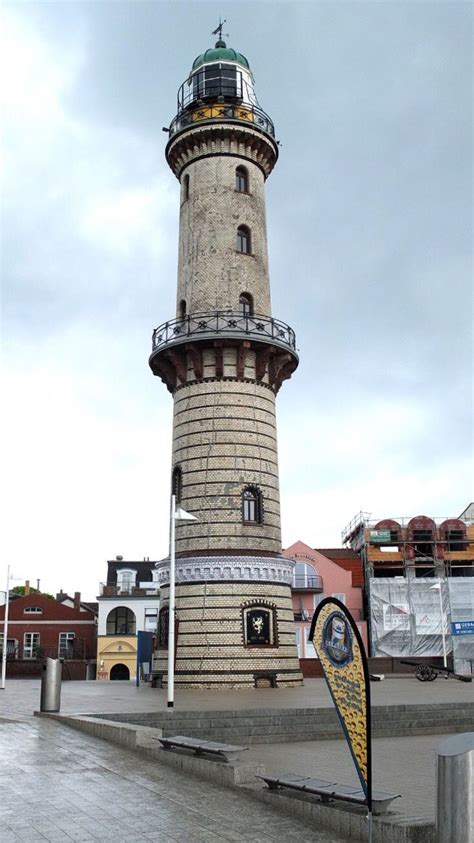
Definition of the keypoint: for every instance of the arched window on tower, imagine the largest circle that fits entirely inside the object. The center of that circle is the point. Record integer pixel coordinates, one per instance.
(243, 240)
(177, 483)
(241, 180)
(246, 304)
(182, 309)
(252, 505)
(185, 187)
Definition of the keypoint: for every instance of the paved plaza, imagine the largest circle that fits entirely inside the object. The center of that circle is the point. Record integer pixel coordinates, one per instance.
(58, 784)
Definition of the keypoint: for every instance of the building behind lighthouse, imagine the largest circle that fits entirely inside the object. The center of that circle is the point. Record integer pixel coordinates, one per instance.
(223, 357)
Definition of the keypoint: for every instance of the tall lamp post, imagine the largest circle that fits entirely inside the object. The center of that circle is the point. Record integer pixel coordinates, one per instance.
(5, 630)
(438, 588)
(5, 626)
(176, 515)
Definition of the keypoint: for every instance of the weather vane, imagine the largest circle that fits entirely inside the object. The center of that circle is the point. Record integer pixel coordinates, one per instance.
(218, 30)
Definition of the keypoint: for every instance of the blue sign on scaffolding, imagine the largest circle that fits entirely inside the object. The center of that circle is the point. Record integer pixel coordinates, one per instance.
(462, 627)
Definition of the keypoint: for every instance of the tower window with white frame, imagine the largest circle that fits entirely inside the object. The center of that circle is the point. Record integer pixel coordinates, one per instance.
(252, 505)
(241, 180)
(244, 245)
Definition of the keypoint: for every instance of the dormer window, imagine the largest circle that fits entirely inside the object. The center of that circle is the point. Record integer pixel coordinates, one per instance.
(33, 610)
(126, 580)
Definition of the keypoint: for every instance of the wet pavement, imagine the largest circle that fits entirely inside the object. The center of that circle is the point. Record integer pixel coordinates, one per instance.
(57, 784)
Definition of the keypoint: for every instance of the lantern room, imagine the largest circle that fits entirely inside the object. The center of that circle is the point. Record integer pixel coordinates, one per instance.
(219, 87)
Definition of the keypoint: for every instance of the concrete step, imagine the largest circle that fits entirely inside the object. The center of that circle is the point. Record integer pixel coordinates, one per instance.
(283, 725)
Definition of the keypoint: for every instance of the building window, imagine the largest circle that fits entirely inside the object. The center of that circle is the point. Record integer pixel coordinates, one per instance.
(241, 180)
(182, 309)
(455, 540)
(246, 304)
(126, 581)
(66, 645)
(186, 187)
(121, 621)
(31, 642)
(243, 240)
(259, 625)
(33, 610)
(252, 505)
(422, 542)
(177, 483)
(151, 620)
(339, 595)
(12, 647)
(305, 576)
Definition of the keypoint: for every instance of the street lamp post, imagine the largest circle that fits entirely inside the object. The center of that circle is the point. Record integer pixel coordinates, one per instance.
(176, 515)
(5, 631)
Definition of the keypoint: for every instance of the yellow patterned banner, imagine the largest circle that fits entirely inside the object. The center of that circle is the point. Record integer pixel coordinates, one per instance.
(340, 649)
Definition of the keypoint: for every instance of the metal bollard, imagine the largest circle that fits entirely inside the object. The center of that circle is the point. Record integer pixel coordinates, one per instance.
(455, 789)
(51, 685)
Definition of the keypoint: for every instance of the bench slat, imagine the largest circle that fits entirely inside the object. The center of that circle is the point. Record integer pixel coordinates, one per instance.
(329, 790)
(200, 747)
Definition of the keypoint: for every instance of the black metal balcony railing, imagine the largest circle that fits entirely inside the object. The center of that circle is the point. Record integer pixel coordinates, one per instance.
(223, 322)
(302, 583)
(239, 112)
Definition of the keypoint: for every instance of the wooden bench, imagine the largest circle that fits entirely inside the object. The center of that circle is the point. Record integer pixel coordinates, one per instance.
(329, 790)
(156, 679)
(226, 751)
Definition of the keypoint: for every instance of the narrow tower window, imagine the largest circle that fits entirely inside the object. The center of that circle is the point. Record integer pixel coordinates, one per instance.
(241, 180)
(182, 309)
(177, 483)
(186, 187)
(246, 304)
(243, 240)
(252, 505)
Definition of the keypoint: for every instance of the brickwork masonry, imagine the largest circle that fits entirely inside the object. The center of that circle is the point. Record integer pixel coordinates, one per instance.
(210, 641)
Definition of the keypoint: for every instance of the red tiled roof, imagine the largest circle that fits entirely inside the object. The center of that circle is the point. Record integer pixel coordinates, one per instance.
(347, 559)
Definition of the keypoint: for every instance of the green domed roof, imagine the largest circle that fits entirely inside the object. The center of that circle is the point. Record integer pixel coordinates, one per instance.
(221, 52)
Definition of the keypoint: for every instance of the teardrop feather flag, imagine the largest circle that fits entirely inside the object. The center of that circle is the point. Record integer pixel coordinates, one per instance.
(340, 649)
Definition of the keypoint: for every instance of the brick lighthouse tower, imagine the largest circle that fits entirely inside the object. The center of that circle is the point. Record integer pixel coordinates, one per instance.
(223, 358)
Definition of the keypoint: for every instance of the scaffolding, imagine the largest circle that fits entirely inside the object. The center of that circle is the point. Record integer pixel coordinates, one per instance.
(410, 565)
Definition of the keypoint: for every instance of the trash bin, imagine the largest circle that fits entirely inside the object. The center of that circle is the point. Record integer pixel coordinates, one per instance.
(51, 685)
(455, 789)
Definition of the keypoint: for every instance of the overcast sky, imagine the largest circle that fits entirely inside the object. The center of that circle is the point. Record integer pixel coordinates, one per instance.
(369, 218)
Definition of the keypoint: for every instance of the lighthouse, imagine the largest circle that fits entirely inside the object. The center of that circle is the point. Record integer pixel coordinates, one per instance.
(223, 357)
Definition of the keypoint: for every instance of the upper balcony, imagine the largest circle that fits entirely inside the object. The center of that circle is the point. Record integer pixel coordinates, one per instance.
(233, 112)
(113, 590)
(223, 323)
(180, 341)
(307, 583)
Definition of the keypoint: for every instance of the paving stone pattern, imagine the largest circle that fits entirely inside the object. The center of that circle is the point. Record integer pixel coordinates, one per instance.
(60, 785)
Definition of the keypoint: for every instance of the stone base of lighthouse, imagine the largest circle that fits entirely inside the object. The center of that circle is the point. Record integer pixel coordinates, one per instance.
(231, 635)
